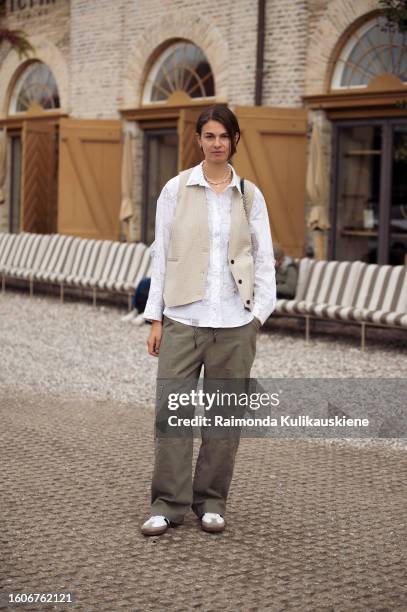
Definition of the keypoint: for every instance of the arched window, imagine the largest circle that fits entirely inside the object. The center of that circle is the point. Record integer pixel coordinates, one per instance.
(36, 88)
(181, 67)
(373, 50)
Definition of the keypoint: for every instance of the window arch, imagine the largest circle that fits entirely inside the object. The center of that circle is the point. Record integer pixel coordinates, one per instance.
(373, 50)
(35, 88)
(181, 67)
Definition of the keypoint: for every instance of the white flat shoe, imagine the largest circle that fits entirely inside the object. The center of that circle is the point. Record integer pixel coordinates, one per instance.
(139, 320)
(212, 522)
(155, 525)
(129, 316)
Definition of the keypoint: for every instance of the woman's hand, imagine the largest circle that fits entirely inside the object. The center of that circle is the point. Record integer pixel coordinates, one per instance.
(154, 339)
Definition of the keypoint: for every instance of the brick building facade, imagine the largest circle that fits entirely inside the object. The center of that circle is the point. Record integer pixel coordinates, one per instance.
(100, 53)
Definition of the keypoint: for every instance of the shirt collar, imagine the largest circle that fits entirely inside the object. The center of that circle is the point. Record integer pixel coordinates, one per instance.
(197, 178)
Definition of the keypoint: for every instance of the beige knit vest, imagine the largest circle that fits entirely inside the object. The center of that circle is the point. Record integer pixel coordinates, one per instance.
(188, 253)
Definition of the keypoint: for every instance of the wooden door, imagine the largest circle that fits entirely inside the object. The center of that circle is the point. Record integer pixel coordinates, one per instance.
(89, 187)
(38, 177)
(272, 154)
(189, 153)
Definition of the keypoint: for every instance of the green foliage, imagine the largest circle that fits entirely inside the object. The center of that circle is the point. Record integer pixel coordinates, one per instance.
(395, 12)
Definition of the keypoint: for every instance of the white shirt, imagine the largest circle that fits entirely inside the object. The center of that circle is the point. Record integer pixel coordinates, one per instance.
(221, 305)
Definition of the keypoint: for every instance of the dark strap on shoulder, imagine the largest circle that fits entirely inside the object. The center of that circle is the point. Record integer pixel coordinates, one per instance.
(242, 185)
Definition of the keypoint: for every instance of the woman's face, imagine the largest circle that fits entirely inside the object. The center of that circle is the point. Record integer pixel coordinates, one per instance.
(215, 142)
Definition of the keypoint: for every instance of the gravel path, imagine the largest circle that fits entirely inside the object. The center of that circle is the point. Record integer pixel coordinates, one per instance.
(75, 350)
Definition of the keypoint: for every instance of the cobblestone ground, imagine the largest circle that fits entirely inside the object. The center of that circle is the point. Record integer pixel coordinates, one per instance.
(310, 526)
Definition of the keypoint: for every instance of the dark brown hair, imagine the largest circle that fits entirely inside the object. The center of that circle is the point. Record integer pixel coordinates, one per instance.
(223, 114)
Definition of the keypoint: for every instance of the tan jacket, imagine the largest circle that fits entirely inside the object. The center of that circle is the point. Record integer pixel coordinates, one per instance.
(188, 252)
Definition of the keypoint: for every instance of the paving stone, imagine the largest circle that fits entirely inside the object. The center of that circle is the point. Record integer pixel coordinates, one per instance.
(309, 526)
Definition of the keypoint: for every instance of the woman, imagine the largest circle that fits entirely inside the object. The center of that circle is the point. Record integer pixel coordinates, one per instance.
(212, 287)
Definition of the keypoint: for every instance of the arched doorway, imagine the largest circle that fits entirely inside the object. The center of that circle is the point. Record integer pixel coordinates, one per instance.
(178, 84)
(33, 112)
(367, 103)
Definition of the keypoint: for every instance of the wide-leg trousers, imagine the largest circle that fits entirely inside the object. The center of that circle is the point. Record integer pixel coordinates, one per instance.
(225, 353)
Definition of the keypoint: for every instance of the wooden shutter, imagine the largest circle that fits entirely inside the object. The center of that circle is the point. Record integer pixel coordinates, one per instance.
(38, 177)
(272, 154)
(189, 153)
(89, 186)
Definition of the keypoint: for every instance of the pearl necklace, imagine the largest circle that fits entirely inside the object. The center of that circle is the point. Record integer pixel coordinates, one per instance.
(227, 177)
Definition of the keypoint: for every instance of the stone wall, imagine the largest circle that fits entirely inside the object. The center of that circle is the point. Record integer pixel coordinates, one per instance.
(285, 53)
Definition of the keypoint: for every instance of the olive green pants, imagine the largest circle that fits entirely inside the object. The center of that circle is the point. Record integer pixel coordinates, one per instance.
(225, 353)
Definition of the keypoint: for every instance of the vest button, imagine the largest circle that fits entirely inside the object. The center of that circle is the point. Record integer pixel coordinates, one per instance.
(232, 261)
(247, 301)
(240, 281)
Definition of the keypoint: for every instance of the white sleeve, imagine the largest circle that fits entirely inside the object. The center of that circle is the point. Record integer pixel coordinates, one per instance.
(263, 255)
(166, 205)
